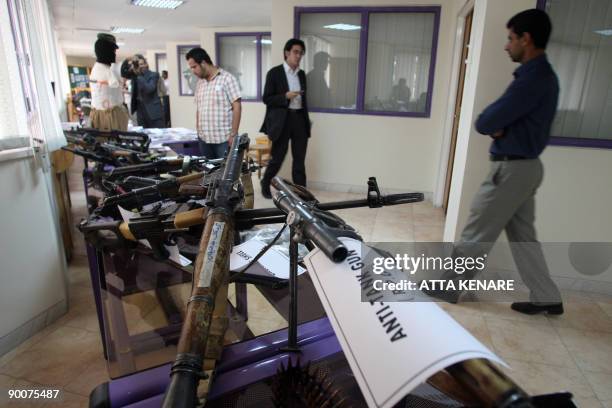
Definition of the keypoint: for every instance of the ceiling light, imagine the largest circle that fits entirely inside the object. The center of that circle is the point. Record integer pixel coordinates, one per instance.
(343, 27)
(126, 30)
(164, 4)
(98, 30)
(604, 32)
(120, 43)
(263, 41)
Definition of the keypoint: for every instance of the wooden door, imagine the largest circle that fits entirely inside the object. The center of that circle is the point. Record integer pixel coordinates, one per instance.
(458, 99)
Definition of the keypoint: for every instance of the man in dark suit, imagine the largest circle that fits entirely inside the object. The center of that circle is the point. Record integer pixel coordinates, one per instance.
(286, 115)
(145, 98)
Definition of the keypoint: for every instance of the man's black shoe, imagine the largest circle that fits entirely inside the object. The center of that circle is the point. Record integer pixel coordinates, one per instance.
(532, 308)
(448, 296)
(265, 191)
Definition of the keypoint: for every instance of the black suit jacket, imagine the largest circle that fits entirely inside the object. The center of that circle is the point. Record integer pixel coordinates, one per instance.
(277, 103)
(144, 87)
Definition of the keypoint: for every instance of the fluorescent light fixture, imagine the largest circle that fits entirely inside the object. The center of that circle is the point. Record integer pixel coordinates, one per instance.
(120, 43)
(126, 30)
(343, 27)
(607, 31)
(163, 4)
(263, 41)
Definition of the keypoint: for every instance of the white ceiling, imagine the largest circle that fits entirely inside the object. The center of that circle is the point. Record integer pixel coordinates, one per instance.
(161, 26)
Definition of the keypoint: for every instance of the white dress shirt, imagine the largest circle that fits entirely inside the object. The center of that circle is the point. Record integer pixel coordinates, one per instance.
(294, 86)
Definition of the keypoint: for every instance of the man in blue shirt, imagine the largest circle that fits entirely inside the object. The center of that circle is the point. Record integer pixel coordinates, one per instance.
(519, 123)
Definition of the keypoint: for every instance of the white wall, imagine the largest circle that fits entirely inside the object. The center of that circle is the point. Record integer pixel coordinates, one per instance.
(344, 149)
(150, 56)
(31, 272)
(182, 108)
(32, 269)
(574, 200)
(488, 73)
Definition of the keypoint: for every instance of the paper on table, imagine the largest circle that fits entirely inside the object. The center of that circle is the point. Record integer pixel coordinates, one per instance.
(274, 262)
(172, 249)
(406, 342)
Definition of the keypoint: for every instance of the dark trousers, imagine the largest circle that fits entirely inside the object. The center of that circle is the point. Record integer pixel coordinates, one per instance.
(146, 122)
(213, 150)
(294, 131)
(166, 105)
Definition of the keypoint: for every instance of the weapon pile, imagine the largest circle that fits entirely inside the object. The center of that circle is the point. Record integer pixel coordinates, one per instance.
(210, 201)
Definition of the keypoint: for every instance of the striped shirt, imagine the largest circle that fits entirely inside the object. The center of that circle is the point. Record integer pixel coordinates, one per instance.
(214, 100)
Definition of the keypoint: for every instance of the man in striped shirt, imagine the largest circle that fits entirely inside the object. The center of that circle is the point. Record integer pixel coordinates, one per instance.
(218, 104)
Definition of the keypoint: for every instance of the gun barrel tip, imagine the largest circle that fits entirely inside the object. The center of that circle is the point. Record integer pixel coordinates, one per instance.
(339, 254)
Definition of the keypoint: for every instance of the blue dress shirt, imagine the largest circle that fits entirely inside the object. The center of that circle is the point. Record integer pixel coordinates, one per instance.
(524, 112)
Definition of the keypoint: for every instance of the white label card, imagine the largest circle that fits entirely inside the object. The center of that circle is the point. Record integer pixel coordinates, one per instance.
(273, 261)
(208, 264)
(406, 342)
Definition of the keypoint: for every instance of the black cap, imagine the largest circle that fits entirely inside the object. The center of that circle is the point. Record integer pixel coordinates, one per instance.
(107, 37)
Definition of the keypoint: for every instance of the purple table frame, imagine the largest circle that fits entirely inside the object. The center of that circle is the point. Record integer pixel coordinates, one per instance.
(241, 364)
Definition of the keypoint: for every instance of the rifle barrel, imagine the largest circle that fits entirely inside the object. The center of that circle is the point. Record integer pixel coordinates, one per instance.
(313, 228)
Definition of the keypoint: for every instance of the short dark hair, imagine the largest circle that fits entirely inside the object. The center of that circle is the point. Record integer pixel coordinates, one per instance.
(198, 55)
(535, 22)
(294, 41)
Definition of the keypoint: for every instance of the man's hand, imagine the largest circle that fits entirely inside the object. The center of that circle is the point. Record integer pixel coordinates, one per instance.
(230, 141)
(292, 94)
(498, 134)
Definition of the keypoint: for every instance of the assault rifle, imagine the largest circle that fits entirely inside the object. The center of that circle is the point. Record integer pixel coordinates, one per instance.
(130, 140)
(158, 190)
(110, 155)
(161, 222)
(152, 190)
(184, 165)
(158, 226)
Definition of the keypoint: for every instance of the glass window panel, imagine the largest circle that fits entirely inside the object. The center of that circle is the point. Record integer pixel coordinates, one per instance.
(266, 58)
(238, 56)
(332, 58)
(399, 55)
(580, 50)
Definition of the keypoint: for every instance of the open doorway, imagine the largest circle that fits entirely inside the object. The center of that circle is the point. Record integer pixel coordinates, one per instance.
(467, 28)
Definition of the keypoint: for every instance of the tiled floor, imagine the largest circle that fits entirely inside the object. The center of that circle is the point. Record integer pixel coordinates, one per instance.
(571, 352)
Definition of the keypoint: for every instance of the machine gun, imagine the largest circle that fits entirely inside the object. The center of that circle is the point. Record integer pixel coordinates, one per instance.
(130, 140)
(157, 226)
(184, 165)
(159, 190)
(205, 321)
(162, 222)
(110, 155)
(152, 190)
(476, 380)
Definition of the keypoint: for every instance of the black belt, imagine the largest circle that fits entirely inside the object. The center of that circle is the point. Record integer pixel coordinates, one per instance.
(507, 157)
(295, 110)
